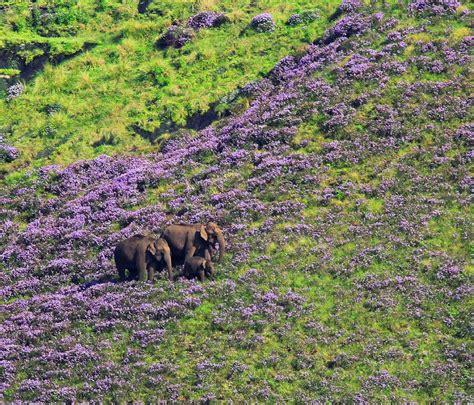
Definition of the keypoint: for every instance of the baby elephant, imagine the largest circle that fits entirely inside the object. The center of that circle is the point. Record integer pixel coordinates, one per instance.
(198, 267)
(142, 256)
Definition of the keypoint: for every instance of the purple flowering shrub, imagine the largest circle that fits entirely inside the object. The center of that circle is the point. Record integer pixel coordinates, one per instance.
(335, 189)
(433, 7)
(44, 325)
(304, 17)
(350, 6)
(8, 153)
(176, 36)
(15, 91)
(206, 19)
(262, 23)
(346, 27)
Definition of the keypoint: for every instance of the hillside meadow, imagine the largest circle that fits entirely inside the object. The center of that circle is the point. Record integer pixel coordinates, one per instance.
(331, 142)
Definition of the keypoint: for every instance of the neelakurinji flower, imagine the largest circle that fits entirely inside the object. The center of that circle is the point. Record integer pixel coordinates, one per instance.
(262, 23)
(176, 36)
(206, 19)
(433, 7)
(304, 17)
(15, 91)
(350, 6)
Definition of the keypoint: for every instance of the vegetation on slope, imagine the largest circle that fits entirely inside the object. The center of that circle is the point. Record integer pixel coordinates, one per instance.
(343, 189)
(136, 88)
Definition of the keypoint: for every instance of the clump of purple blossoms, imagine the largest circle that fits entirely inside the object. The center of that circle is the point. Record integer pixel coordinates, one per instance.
(15, 91)
(449, 271)
(8, 153)
(383, 379)
(176, 36)
(433, 7)
(346, 27)
(302, 18)
(206, 19)
(262, 23)
(349, 6)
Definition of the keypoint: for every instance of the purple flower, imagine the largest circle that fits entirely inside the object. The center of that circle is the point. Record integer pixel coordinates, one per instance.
(382, 380)
(8, 153)
(350, 6)
(449, 271)
(175, 36)
(15, 91)
(378, 16)
(206, 19)
(207, 366)
(262, 23)
(339, 116)
(346, 27)
(433, 7)
(304, 17)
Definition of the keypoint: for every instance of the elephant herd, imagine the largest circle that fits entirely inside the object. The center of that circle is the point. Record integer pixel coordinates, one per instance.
(188, 244)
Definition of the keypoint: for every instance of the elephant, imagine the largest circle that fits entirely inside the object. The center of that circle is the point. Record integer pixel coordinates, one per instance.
(187, 240)
(198, 267)
(141, 255)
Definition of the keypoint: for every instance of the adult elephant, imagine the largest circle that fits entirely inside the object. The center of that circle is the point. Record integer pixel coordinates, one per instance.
(142, 255)
(187, 240)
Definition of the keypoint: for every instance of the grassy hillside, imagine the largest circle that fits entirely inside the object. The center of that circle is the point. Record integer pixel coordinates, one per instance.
(340, 178)
(102, 99)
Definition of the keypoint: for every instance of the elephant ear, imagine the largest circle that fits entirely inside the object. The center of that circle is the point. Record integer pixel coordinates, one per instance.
(151, 248)
(211, 227)
(161, 245)
(203, 233)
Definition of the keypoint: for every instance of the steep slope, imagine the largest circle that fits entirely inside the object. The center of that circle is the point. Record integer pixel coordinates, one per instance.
(140, 91)
(343, 190)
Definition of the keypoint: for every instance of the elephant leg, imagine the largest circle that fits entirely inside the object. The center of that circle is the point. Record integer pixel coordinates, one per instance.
(141, 266)
(185, 272)
(142, 275)
(211, 273)
(151, 269)
(190, 252)
(121, 272)
(201, 275)
(207, 254)
(151, 274)
(169, 267)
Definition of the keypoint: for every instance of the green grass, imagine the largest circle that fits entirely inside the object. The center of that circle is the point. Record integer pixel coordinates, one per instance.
(130, 81)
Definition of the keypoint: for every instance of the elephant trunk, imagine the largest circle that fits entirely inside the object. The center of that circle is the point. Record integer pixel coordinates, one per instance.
(221, 241)
(169, 265)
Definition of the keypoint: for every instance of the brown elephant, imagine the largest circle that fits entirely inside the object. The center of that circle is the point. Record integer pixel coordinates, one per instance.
(198, 267)
(187, 240)
(142, 256)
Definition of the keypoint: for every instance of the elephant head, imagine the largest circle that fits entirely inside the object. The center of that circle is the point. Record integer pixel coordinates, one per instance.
(212, 234)
(206, 269)
(160, 250)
